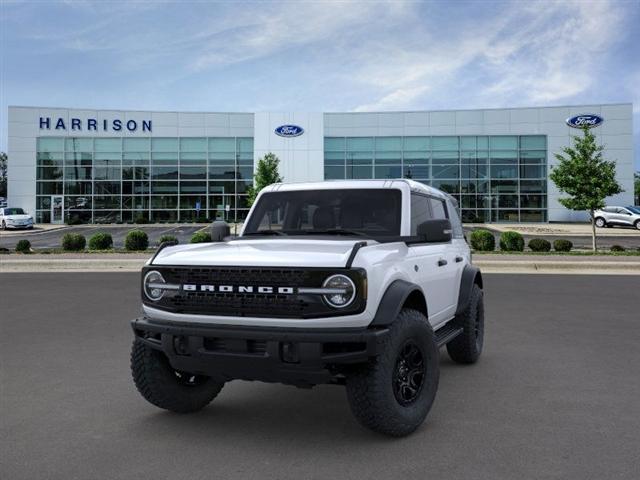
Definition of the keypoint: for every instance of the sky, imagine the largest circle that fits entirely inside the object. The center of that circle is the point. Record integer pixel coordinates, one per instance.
(318, 55)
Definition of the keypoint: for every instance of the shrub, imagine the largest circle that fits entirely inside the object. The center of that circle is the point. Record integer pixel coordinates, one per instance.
(100, 241)
(73, 242)
(539, 245)
(23, 246)
(511, 242)
(136, 240)
(167, 238)
(483, 240)
(617, 248)
(141, 220)
(562, 245)
(201, 237)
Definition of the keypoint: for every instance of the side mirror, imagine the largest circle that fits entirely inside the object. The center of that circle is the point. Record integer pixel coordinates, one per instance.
(435, 231)
(219, 230)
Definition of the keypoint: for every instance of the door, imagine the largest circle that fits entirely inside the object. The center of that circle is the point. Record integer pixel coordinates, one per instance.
(57, 209)
(623, 216)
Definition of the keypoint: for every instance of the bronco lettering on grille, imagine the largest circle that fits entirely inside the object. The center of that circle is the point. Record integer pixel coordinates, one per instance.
(190, 287)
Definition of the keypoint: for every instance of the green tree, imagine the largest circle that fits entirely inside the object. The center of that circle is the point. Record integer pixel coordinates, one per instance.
(585, 177)
(266, 174)
(3, 174)
(636, 188)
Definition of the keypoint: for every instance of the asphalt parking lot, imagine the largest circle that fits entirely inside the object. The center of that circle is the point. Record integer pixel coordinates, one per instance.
(554, 396)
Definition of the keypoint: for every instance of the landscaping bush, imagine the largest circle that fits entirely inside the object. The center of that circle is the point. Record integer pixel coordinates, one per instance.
(101, 241)
(141, 220)
(136, 240)
(617, 248)
(539, 245)
(23, 246)
(167, 238)
(73, 242)
(511, 242)
(201, 237)
(562, 245)
(483, 241)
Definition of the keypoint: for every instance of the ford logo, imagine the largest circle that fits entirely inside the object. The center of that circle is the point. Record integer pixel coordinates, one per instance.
(289, 131)
(587, 120)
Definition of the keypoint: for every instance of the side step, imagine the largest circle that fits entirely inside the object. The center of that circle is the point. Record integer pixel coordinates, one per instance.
(447, 333)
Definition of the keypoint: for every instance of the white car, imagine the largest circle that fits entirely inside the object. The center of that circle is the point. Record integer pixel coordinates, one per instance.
(620, 216)
(355, 283)
(15, 218)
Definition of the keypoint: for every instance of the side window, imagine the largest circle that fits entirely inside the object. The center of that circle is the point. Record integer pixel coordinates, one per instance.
(456, 225)
(420, 211)
(438, 209)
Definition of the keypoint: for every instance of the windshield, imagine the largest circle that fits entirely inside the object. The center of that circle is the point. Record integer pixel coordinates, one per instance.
(357, 212)
(634, 210)
(13, 211)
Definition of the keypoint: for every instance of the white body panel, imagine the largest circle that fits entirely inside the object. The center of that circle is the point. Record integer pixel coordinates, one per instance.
(383, 262)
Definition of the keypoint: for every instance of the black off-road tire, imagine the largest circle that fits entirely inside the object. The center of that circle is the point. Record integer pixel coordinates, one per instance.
(467, 347)
(166, 388)
(372, 389)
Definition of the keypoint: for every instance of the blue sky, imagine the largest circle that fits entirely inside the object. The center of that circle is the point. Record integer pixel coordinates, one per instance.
(318, 56)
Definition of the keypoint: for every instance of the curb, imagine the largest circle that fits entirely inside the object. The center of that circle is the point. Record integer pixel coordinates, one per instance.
(28, 265)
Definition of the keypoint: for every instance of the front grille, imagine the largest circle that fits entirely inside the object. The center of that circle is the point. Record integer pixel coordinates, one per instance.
(275, 305)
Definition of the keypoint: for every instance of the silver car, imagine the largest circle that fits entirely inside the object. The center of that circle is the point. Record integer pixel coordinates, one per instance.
(621, 216)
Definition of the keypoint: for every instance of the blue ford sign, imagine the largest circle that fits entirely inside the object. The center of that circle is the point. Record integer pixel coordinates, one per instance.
(289, 131)
(587, 120)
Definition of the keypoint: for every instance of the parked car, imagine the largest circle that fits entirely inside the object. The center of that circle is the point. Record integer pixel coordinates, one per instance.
(3, 202)
(355, 283)
(15, 218)
(621, 216)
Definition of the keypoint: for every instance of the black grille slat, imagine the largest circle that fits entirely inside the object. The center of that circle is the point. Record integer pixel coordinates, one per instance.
(241, 304)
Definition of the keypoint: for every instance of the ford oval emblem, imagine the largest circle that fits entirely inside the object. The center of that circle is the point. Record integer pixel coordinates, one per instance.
(586, 120)
(289, 131)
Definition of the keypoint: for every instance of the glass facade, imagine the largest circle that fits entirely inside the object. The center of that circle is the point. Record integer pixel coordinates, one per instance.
(499, 178)
(109, 180)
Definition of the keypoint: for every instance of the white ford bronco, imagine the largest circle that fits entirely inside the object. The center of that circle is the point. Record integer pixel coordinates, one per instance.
(355, 283)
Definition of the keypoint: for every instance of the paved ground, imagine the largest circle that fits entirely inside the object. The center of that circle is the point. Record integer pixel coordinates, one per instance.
(555, 395)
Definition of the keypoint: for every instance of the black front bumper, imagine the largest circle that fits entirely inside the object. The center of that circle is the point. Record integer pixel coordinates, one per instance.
(300, 357)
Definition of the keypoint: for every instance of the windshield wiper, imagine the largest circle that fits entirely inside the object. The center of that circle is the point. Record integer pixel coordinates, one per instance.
(264, 232)
(333, 231)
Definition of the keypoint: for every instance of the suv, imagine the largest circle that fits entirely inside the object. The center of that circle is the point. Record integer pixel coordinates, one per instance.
(622, 216)
(15, 218)
(355, 283)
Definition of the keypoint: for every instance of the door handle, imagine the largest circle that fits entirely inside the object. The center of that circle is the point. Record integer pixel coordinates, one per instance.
(459, 259)
(442, 262)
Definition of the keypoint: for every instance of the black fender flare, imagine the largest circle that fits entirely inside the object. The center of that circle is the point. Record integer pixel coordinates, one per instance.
(470, 275)
(393, 300)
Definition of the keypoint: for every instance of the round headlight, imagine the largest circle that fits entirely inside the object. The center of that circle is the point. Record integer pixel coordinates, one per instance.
(152, 281)
(344, 291)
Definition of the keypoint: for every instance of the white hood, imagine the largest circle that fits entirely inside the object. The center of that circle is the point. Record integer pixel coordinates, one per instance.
(265, 252)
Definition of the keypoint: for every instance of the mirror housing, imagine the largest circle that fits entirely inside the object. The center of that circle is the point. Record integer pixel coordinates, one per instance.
(435, 231)
(219, 230)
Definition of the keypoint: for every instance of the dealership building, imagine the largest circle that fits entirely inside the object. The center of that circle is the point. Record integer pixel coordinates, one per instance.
(107, 166)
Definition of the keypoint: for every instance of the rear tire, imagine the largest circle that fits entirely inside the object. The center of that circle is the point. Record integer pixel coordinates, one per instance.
(467, 347)
(4, 225)
(600, 222)
(394, 392)
(637, 224)
(167, 388)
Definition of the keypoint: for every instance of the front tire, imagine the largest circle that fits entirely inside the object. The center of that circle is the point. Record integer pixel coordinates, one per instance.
(167, 388)
(637, 224)
(467, 347)
(600, 222)
(394, 393)
(4, 225)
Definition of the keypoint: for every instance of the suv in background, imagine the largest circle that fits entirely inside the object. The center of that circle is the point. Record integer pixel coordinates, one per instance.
(15, 218)
(621, 216)
(354, 283)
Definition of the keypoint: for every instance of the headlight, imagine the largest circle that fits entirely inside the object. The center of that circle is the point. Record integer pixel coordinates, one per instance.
(343, 291)
(154, 285)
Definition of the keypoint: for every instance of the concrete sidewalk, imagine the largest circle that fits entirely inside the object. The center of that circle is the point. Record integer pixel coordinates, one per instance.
(495, 263)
